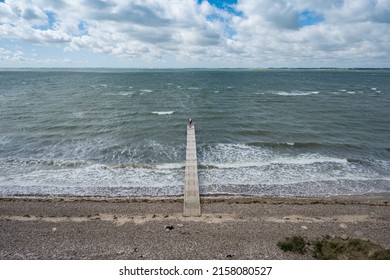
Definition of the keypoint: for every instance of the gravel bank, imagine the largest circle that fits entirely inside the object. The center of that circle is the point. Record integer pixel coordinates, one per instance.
(154, 228)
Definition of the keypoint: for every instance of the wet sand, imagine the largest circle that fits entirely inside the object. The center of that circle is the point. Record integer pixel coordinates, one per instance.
(154, 228)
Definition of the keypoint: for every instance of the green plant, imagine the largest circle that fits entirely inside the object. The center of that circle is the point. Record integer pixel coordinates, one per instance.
(293, 244)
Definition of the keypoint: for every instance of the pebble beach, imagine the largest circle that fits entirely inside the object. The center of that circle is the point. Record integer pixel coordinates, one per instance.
(230, 227)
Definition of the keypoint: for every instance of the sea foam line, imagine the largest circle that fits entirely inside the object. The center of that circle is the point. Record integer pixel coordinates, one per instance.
(163, 112)
(295, 93)
(278, 161)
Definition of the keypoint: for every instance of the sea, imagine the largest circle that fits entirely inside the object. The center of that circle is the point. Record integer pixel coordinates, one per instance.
(259, 132)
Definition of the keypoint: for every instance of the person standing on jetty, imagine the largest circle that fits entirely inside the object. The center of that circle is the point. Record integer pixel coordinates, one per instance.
(190, 122)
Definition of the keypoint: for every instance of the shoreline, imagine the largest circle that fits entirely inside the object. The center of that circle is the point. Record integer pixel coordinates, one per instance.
(209, 198)
(230, 227)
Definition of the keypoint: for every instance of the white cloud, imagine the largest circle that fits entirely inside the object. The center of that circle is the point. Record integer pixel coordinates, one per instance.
(352, 31)
(10, 56)
(258, 33)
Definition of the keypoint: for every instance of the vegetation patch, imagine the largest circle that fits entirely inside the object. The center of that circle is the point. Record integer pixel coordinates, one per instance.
(294, 244)
(336, 248)
(351, 249)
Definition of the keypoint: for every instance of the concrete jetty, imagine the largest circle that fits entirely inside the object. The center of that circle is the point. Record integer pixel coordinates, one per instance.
(191, 188)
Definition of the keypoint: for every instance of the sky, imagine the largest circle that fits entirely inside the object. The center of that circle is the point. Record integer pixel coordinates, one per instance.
(194, 33)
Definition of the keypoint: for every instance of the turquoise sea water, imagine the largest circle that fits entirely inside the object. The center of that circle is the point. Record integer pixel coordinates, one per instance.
(122, 132)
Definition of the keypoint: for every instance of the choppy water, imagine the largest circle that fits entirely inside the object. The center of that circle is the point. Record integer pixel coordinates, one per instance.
(122, 132)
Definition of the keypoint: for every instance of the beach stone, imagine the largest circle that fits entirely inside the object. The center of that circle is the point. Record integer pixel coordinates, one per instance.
(54, 229)
(344, 236)
(303, 227)
(343, 226)
(169, 227)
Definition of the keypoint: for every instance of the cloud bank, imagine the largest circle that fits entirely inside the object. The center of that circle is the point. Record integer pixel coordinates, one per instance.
(166, 33)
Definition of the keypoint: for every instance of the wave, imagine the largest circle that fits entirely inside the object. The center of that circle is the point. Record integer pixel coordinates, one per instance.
(92, 176)
(163, 112)
(126, 93)
(148, 166)
(282, 161)
(295, 93)
(309, 174)
(243, 157)
(301, 145)
(367, 92)
(324, 188)
(50, 163)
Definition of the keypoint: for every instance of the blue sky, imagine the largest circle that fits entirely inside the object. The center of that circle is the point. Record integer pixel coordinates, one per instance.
(194, 33)
(307, 17)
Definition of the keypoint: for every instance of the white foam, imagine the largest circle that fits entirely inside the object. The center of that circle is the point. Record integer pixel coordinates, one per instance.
(234, 153)
(295, 93)
(142, 91)
(126, 93)
(163, 112)
(305, 159)
(239, 164)
(272, 174)
(96, 176)
(241, 156)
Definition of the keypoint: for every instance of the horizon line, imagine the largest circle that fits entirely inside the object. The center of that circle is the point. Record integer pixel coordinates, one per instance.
(182, 68)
